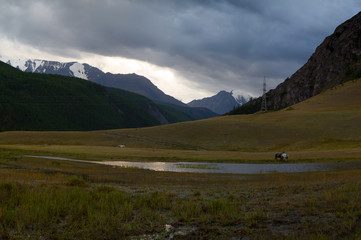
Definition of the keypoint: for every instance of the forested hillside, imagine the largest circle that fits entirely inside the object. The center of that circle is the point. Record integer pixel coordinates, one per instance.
(31, 101)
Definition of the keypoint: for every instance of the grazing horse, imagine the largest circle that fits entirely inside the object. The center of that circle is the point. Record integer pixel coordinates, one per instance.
(282, 156)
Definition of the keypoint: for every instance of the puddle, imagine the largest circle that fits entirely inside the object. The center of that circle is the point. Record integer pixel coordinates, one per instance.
(234, 168)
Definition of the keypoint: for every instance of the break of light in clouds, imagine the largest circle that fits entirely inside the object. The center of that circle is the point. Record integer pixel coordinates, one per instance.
(190, 49)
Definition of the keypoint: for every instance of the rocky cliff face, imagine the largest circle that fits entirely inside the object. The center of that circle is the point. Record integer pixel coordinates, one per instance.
(336, 60)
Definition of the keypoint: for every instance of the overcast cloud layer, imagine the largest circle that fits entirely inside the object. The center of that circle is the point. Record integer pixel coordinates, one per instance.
(214, 44)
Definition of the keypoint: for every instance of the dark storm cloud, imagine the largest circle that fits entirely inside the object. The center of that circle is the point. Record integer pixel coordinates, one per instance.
(222, 44)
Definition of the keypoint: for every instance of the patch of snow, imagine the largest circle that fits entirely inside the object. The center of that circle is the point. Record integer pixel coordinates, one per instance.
(15, 62)
(58, 65)
(37, 63)
(78, 70)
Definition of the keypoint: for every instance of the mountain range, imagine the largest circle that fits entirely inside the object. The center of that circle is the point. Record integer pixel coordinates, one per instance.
(33, 101)
(220, 103)
(129, 82)
(335, 61)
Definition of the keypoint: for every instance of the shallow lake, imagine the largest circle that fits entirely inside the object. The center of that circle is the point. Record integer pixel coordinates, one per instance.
(235, 168)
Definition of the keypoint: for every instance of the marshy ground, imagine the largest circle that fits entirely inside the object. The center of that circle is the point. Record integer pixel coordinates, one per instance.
(52, 199)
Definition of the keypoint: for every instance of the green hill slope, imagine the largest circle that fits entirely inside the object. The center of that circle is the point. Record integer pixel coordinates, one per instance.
(30, 101)
(327, 121)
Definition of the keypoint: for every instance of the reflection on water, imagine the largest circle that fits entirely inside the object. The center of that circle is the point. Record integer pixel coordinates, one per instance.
(240, 168)
(235, 168)
(198, 166)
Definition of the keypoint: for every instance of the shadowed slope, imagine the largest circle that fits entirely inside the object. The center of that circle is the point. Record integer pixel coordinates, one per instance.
(32, 101)
(330, 120)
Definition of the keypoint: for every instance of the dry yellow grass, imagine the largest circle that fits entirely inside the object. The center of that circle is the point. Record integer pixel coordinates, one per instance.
(322, 124)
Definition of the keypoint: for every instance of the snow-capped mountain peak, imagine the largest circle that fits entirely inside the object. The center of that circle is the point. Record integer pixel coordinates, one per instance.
(51, 67)
(15, 62)
(78, 70)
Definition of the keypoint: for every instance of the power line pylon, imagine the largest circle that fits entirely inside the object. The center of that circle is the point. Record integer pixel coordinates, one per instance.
(264, 101)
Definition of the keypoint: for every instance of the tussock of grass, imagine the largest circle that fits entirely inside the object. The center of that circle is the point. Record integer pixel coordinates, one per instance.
(76, 181)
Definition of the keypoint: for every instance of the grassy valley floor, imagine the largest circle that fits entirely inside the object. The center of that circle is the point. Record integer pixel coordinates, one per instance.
(51, 199)
(115, 153)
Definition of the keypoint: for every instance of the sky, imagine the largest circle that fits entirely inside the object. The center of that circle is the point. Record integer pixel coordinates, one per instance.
(190, 49)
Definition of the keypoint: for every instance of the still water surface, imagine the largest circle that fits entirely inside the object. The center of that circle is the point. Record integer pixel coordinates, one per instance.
(235, 168)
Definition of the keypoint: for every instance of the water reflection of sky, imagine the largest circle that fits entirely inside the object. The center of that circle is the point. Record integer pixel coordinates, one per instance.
(156, 166)
(234, 168)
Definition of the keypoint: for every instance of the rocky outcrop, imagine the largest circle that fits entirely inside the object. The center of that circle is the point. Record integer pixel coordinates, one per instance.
(336, 60)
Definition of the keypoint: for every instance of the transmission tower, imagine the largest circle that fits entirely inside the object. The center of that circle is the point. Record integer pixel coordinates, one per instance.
(264, 102)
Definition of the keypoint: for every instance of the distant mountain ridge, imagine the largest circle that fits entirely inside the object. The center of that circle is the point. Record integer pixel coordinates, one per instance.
(32, 101)
(130, 82)
(220, 103)
(335, 61)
